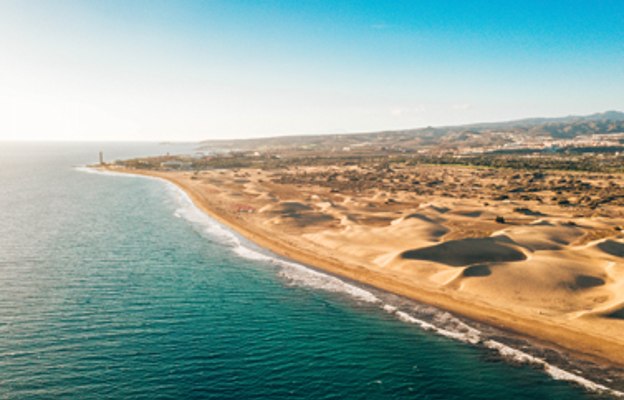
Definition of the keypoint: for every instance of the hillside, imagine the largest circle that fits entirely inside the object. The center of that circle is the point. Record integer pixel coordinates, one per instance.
(475, 136)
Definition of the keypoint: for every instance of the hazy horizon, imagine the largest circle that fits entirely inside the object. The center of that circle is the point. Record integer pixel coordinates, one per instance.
(285, 135)
(191, 71)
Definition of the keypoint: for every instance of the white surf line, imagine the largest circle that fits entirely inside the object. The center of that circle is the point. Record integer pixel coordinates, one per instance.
(555, 372)
(302, 275)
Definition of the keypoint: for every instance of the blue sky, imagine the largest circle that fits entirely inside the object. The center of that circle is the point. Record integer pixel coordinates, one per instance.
(191, 70)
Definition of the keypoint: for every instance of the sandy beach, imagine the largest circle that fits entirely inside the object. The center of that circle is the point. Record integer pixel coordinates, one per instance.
(548, 272)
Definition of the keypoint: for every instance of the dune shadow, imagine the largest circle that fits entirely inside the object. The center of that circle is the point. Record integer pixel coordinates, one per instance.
(529, 212)
(301, 215)
(370, 220)
(310, 218)
(542, 223)
(470, 214)
(618, 314)
(612, 247)
(582, 282)
(437, 232)
(588, 281)
(292, 207)
(459, 253)
(438, 209)
(477, 270)
(420, 217)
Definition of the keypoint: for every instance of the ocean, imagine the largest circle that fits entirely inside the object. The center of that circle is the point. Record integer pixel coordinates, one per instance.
(117, 287)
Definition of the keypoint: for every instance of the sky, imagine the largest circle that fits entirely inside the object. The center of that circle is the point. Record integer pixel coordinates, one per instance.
(193, 70)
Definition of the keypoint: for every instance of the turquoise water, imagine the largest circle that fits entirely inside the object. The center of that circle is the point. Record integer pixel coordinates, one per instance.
(115, 287)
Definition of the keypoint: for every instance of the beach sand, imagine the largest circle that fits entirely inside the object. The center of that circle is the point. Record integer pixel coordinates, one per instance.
(548, 272)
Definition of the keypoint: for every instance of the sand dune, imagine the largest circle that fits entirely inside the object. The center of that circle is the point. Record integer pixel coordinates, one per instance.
(545, 236)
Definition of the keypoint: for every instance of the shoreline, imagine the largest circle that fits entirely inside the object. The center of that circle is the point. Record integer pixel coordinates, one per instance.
(579, 344)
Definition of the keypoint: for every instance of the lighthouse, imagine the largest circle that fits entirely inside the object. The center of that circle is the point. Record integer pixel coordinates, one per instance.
(101, 157)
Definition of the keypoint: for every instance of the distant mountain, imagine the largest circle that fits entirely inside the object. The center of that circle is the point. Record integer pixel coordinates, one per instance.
(608, 115)
(530, 122)
(472, 135)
